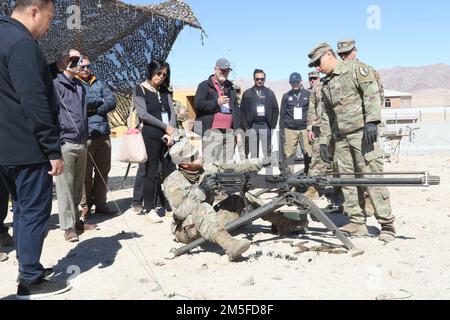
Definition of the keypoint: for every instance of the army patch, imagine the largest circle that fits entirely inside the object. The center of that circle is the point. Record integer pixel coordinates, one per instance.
(364, 71)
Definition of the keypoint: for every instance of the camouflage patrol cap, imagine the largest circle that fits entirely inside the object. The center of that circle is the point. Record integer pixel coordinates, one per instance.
(317, 53)
(314, 74)
(346, 45)
(184, 151)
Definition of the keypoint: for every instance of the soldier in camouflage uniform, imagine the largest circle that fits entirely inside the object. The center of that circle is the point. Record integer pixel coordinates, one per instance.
(318, 166)
(352, 112)
(191, 194)
(348, 52)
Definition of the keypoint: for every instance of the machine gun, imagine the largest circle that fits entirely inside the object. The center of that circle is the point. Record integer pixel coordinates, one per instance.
(231, 183)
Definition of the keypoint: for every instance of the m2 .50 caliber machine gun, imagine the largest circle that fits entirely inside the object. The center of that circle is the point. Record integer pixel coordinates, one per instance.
(232, 183)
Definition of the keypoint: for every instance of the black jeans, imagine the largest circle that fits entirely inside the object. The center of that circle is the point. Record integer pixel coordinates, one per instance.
(4, 196)
(31, 188)
(155, 174)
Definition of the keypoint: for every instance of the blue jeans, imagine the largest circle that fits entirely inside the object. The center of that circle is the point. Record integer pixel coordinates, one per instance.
(31, 189)
(4, 195)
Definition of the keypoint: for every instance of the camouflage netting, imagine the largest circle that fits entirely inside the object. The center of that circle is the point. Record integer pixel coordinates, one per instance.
(120, 39)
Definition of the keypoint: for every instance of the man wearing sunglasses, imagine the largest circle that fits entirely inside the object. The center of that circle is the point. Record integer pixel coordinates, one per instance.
(99, 102)
(352, 112)
(216, 109)
(259, 113)
(347, 51)
(71, 97)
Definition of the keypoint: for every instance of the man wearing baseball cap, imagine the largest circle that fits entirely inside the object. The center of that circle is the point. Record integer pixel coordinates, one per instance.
(293, 116)
(348, 51)
(216, 108)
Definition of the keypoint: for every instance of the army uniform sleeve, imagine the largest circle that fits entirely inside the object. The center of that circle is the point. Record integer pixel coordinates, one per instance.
(312, 118)
(370, 93)
(325, 128)
(249, 165)
(182, 196)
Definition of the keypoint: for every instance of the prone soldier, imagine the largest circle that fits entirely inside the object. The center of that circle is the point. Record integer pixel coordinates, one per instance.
(191, 194)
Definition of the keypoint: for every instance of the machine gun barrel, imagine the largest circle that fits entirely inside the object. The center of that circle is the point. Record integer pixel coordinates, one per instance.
(425, 181)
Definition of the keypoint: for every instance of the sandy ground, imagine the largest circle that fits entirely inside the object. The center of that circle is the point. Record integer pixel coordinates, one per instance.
(111, 263)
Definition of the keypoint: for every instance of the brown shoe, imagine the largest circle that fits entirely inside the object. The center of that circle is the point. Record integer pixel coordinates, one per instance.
(70, 235)
(6, 240)
(81, 226)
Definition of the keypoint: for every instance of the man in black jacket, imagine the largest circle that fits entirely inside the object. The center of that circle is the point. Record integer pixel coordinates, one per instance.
(100, 101)
(293, 121)
(218, 114)
(29, 139)
(259, 113)
(74, 132)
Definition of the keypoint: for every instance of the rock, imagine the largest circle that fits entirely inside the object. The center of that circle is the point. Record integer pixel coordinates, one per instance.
(249, 282)
(204, 267)
(171, 295)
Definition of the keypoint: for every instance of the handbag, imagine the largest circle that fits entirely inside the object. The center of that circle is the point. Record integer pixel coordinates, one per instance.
(133, 149)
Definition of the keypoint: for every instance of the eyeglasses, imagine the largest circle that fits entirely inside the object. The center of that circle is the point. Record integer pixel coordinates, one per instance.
(87, 67)
(224, 70)
(260, 79)
(161, 74)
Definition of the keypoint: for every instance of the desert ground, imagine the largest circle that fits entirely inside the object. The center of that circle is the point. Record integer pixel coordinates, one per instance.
(125, 258)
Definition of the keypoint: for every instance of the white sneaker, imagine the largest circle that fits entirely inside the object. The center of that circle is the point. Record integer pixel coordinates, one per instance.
(153, 217)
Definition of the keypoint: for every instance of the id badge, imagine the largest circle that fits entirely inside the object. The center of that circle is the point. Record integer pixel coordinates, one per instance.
(165, 117)
(298, 113)
(225, 109)
(260, 110)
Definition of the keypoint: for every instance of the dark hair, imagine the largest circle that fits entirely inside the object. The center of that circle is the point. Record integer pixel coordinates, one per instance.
(154, 67)
(258, 71)
(22, 4)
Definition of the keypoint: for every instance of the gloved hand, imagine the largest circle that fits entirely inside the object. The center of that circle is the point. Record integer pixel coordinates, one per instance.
(370, 133)
(325, 153)
(208, 184)
(93, 102)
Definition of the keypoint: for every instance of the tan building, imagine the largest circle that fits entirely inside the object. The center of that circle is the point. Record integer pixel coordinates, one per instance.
(396, 99)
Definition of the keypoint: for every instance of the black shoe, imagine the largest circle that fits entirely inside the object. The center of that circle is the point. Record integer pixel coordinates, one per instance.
(41, 290)
(47, 274)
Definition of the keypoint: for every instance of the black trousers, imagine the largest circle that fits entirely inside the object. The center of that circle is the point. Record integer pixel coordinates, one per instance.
(157, 168)
(138, 190)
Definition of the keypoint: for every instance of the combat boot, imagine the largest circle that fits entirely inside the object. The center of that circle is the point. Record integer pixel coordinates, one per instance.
(387, 233)
(355, 229)
(233, 248)
(312, 193)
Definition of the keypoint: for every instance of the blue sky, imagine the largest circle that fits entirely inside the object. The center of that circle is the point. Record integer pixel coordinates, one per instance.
(277, 35)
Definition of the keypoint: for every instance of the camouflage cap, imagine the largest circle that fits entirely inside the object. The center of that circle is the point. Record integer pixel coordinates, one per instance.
(314, 74)
(317, 53)
(184, 151)
(346, 45)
